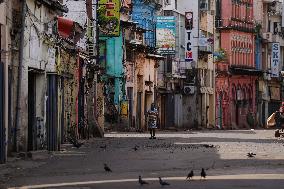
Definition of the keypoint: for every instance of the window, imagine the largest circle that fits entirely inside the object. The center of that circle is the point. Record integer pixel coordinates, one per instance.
(276, 28)
(204, 5)
(168, 13)
(167, 2)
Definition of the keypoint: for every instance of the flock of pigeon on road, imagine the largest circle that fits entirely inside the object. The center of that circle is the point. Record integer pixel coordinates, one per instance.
(162, 182)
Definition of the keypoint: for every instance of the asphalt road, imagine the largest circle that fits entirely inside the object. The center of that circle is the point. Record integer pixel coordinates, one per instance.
(223, 154)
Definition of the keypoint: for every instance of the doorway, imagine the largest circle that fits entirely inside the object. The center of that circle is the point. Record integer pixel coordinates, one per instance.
(130, 106)
(139, 110)
(31, 110)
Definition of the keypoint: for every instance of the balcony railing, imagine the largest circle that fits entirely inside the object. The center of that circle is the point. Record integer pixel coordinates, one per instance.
(234, 24)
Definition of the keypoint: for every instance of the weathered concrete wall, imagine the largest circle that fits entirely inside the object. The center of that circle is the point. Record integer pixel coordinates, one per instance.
(37, 58)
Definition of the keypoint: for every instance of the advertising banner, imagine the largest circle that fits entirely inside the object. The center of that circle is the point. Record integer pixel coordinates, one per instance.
(109, 18)
(166, 34)
(188, 36)
(275, 59)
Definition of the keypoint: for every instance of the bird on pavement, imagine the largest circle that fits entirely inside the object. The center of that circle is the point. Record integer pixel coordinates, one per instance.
(203, 174)
(107, 169)
(250, 154)
(163, 183)
(190, 175)
(142, 182)
(135, 148)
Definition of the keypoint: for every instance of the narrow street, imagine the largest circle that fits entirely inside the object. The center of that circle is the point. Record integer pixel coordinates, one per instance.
(223, 155)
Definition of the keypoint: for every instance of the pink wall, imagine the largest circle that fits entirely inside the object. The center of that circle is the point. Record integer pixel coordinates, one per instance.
(235, 105)
(239, 47)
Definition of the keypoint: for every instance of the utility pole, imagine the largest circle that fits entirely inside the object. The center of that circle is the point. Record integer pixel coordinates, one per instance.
(20, 71)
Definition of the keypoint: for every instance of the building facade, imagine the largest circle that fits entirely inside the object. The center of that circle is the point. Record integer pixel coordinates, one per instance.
(270, 85)
(236, 70)
(186, 76)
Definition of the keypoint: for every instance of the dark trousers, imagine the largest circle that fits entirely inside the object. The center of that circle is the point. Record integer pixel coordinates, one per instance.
(152, 132)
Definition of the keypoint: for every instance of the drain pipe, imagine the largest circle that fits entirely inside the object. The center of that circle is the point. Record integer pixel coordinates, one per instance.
(20, 70)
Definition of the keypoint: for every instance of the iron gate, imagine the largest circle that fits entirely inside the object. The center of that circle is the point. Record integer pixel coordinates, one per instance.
(2, 126)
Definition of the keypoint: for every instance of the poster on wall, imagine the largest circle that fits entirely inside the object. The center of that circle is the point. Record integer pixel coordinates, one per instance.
(188, 36)
(275, 60)
(166, 34)
(109, 18)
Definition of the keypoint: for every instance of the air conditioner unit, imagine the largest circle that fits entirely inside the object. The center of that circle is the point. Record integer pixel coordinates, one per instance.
(267, 36)
(188, 90)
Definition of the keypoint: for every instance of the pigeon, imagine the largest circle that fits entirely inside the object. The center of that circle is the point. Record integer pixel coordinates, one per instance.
(208, 145)
(107, 169)
(74, 141)
(163, 183)
(103, 147)
(135, 148)
(203, 174)
(190, 175)
(250, 154)
(142, 182)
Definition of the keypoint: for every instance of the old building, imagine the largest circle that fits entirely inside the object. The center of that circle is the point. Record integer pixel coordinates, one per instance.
(186, 78)
(206, 68)
(35, 102)
(145, 58)
(270, 57)
(235, 63)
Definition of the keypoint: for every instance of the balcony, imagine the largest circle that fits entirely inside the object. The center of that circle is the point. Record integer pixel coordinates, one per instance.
(206, 22)
(235, 25)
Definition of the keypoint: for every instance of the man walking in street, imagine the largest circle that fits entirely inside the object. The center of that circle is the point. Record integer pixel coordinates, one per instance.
(152, 120)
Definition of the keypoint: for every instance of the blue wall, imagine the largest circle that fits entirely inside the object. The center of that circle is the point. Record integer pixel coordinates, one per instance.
(114, 65)
(114, 57)
(145, 15)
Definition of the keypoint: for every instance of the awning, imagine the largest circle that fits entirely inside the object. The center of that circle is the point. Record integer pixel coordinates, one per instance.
(155, 56)
(65, 27)
(69, 29)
